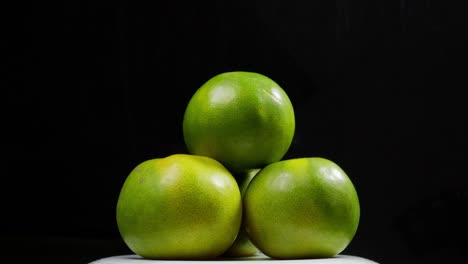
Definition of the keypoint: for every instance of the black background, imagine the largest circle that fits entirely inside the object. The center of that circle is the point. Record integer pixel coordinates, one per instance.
(92, 88)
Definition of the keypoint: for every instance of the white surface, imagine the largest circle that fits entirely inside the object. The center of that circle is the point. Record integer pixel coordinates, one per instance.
(259, 259)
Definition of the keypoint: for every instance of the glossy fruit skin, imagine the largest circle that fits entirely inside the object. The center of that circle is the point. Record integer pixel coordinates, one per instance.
(244, 120)
(242, 246)
(179, 207)
(301, 208)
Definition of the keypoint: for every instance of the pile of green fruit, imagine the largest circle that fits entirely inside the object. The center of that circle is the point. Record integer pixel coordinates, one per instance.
(232, 195)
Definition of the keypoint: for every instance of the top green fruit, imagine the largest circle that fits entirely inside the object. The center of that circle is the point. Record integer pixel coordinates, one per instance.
(244, 120)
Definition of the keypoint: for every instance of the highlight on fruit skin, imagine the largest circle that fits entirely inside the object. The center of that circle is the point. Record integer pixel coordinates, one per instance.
(179, 207)
(301, 208)
(242, 119)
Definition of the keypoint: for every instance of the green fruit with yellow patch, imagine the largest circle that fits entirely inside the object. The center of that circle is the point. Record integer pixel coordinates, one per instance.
(179, 207)
(301, 208)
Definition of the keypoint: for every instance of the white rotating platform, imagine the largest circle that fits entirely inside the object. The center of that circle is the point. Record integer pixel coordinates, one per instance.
(258, 259)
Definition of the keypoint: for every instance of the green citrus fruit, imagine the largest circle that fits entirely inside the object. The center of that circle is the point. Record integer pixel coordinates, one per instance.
(244, 120)
(242, 246)
(179, 207)
(301, 208)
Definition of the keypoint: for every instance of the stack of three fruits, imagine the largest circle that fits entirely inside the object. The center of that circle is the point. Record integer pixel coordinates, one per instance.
(232, 195)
